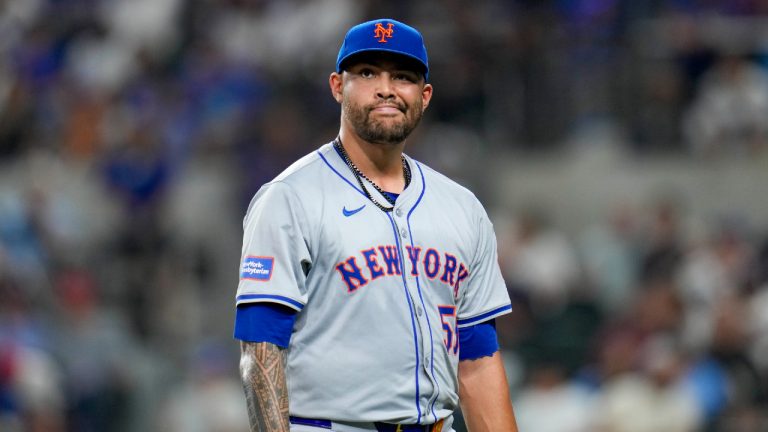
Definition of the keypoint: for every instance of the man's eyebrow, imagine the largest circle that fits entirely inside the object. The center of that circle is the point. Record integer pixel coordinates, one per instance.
(401, 67)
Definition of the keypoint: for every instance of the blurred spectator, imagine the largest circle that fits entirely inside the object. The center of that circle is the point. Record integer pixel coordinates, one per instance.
(729, 111)
(711, 273)
(37, 231)
(138, 171)
(758, 326)
(31, 383)
(608, 251)
(211, 400)
(707, 381)
(662, 250)
(551, 403)
(555, 313)
(31, 396)
(541, 263)
(16, 114)
(97, 354)
(651, 399)
(730, 344)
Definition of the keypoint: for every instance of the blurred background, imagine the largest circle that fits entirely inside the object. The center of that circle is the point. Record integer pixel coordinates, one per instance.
(620, 147)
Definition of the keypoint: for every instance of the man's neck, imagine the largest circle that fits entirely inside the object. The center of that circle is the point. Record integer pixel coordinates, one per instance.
(382, 163)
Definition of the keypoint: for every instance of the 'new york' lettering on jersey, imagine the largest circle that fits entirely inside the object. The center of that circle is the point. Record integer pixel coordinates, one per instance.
(432, 265)
(374, 291)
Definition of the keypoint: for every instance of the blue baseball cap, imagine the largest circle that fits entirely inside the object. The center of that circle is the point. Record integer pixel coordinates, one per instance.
(386, 35)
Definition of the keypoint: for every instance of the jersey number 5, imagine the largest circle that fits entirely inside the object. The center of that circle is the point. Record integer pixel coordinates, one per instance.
(448, 318)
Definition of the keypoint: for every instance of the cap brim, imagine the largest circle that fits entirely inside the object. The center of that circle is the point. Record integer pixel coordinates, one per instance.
(351, 57)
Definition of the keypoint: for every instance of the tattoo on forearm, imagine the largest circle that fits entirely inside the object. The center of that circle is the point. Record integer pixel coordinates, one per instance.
(262, 367)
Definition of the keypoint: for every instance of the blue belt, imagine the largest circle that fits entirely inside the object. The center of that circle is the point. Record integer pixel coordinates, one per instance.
(380, 427)
(325, 424)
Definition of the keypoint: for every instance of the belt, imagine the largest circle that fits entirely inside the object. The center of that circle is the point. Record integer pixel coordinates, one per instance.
(387, 427)
(380, 427)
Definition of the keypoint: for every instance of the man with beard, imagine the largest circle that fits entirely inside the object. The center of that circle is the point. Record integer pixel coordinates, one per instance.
(363, 271)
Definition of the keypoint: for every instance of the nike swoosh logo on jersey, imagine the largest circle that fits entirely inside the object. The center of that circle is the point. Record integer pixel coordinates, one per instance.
(349, 213)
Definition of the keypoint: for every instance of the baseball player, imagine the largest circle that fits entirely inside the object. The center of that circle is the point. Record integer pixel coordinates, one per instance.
(369, 283)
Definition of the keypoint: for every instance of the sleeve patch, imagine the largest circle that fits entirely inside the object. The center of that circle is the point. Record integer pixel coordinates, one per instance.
(257, 268)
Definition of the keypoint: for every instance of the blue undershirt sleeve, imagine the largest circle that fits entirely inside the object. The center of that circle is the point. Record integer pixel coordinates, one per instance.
(264, 322)
(477, 341)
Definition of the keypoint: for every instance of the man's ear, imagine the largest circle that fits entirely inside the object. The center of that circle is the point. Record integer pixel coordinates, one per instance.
(335, 82)
(426, 96)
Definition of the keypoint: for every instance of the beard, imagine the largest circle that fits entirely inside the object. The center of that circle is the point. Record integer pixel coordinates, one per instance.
(382, 131)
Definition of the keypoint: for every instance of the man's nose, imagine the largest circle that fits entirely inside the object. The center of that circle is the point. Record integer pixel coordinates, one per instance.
(384, 88)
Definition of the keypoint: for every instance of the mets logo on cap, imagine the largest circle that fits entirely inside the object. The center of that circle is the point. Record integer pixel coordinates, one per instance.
(382, 33)
(387, 35)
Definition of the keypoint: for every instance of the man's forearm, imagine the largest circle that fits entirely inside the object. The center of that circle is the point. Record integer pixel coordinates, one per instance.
(262, 368)
(484, 395)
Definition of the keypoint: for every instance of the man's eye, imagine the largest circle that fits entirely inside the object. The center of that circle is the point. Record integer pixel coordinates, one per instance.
(366, 73)
(405, 77)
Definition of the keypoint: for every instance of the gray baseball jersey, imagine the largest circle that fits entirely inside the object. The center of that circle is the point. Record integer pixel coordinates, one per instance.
(379, 295)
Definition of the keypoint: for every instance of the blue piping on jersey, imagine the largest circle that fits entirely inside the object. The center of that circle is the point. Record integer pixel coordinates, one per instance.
(421, 298)
(291, 301)
(339, 174)
(410, 309)
(402, 267)
(483, 317)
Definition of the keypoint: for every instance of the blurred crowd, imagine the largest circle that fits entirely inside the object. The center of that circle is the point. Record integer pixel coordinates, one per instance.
(133, 133)
(638, 323)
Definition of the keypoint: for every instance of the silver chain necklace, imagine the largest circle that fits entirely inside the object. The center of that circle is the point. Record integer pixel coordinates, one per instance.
(359, 176)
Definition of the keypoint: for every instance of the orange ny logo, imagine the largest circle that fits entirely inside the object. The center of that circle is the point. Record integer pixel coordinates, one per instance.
(382, 32)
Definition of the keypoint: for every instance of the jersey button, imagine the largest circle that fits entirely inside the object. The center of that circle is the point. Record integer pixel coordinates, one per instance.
(399, 212)
(404, 233)
(419, 311)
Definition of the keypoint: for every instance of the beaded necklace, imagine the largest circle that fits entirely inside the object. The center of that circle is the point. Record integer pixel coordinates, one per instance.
(359, 176)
